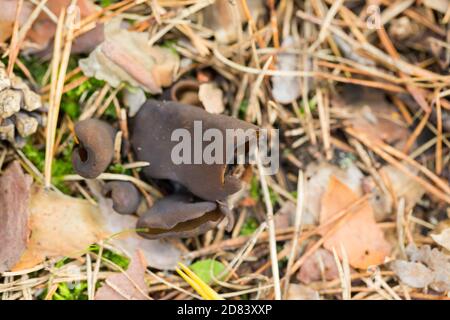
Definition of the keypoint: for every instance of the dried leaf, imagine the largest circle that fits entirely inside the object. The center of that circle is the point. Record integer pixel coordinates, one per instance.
(129, 286)
(413, 274)
(285, 216)
(436, 262)
(60, 226)
(319, 266)
(134, 99)
(299, 292)
(211, 97)
(361, 237)
(76, 224)
(14, 198)
(43, 29)
(127, 56)
(403, 186)
(318, 176)
(369, 113)
(443, 239)
(8, 15)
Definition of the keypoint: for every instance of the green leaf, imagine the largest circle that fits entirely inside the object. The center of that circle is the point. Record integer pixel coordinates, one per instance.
(206, 268)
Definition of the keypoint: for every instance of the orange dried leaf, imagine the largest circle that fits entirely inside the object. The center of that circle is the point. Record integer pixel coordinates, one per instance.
(360, 236)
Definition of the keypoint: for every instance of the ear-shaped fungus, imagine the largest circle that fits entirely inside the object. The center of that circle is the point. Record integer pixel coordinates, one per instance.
(96, 148)
(178, 216)
(124, 195)
(186, 91)
(151, 140)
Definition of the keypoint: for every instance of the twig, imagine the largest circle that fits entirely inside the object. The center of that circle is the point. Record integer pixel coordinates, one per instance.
(271, 225)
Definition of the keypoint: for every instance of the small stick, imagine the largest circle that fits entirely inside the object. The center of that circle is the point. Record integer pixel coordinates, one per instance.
(14, 40)
(271, 225)
(439, 134)
(297, 230)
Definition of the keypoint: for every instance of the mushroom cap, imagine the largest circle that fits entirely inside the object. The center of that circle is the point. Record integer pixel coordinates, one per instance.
(178, 216)
(96, 148)
(151, 140)
(125, 196)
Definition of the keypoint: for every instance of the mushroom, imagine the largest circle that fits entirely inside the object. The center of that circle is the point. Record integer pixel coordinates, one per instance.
(179, 216)
(186, 91)
(152, 142)
(95, 150)
(124, 195)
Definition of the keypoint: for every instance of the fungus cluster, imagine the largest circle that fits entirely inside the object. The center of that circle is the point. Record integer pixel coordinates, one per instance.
(197, 201)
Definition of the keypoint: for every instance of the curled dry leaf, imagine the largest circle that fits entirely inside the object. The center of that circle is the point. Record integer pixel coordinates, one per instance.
(14, 198)
(319, 266)
(211, 97)
(129, 286)
(360, 236)
(127, 56)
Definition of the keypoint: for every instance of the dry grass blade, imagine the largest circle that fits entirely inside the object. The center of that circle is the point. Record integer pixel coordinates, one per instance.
(270, 223)
(297, 230)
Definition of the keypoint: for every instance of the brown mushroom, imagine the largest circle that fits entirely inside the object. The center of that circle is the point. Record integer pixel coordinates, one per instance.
(186, 91)
(124, 195)
(179, 216)
(95, 150)
(151, 141)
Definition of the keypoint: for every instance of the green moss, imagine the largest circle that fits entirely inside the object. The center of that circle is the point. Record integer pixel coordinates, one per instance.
(255, 192)
(73, 292)
(112, 256)
(169, 44)
(118, 168)
(61, 166)
(70, 101)
(249, 227)
(243, 109)
(36, 66)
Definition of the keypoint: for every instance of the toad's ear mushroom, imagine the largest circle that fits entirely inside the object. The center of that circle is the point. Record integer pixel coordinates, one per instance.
(96, 148)
(124, 195)
(186, 91)
(153, 141)
(178, 216)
